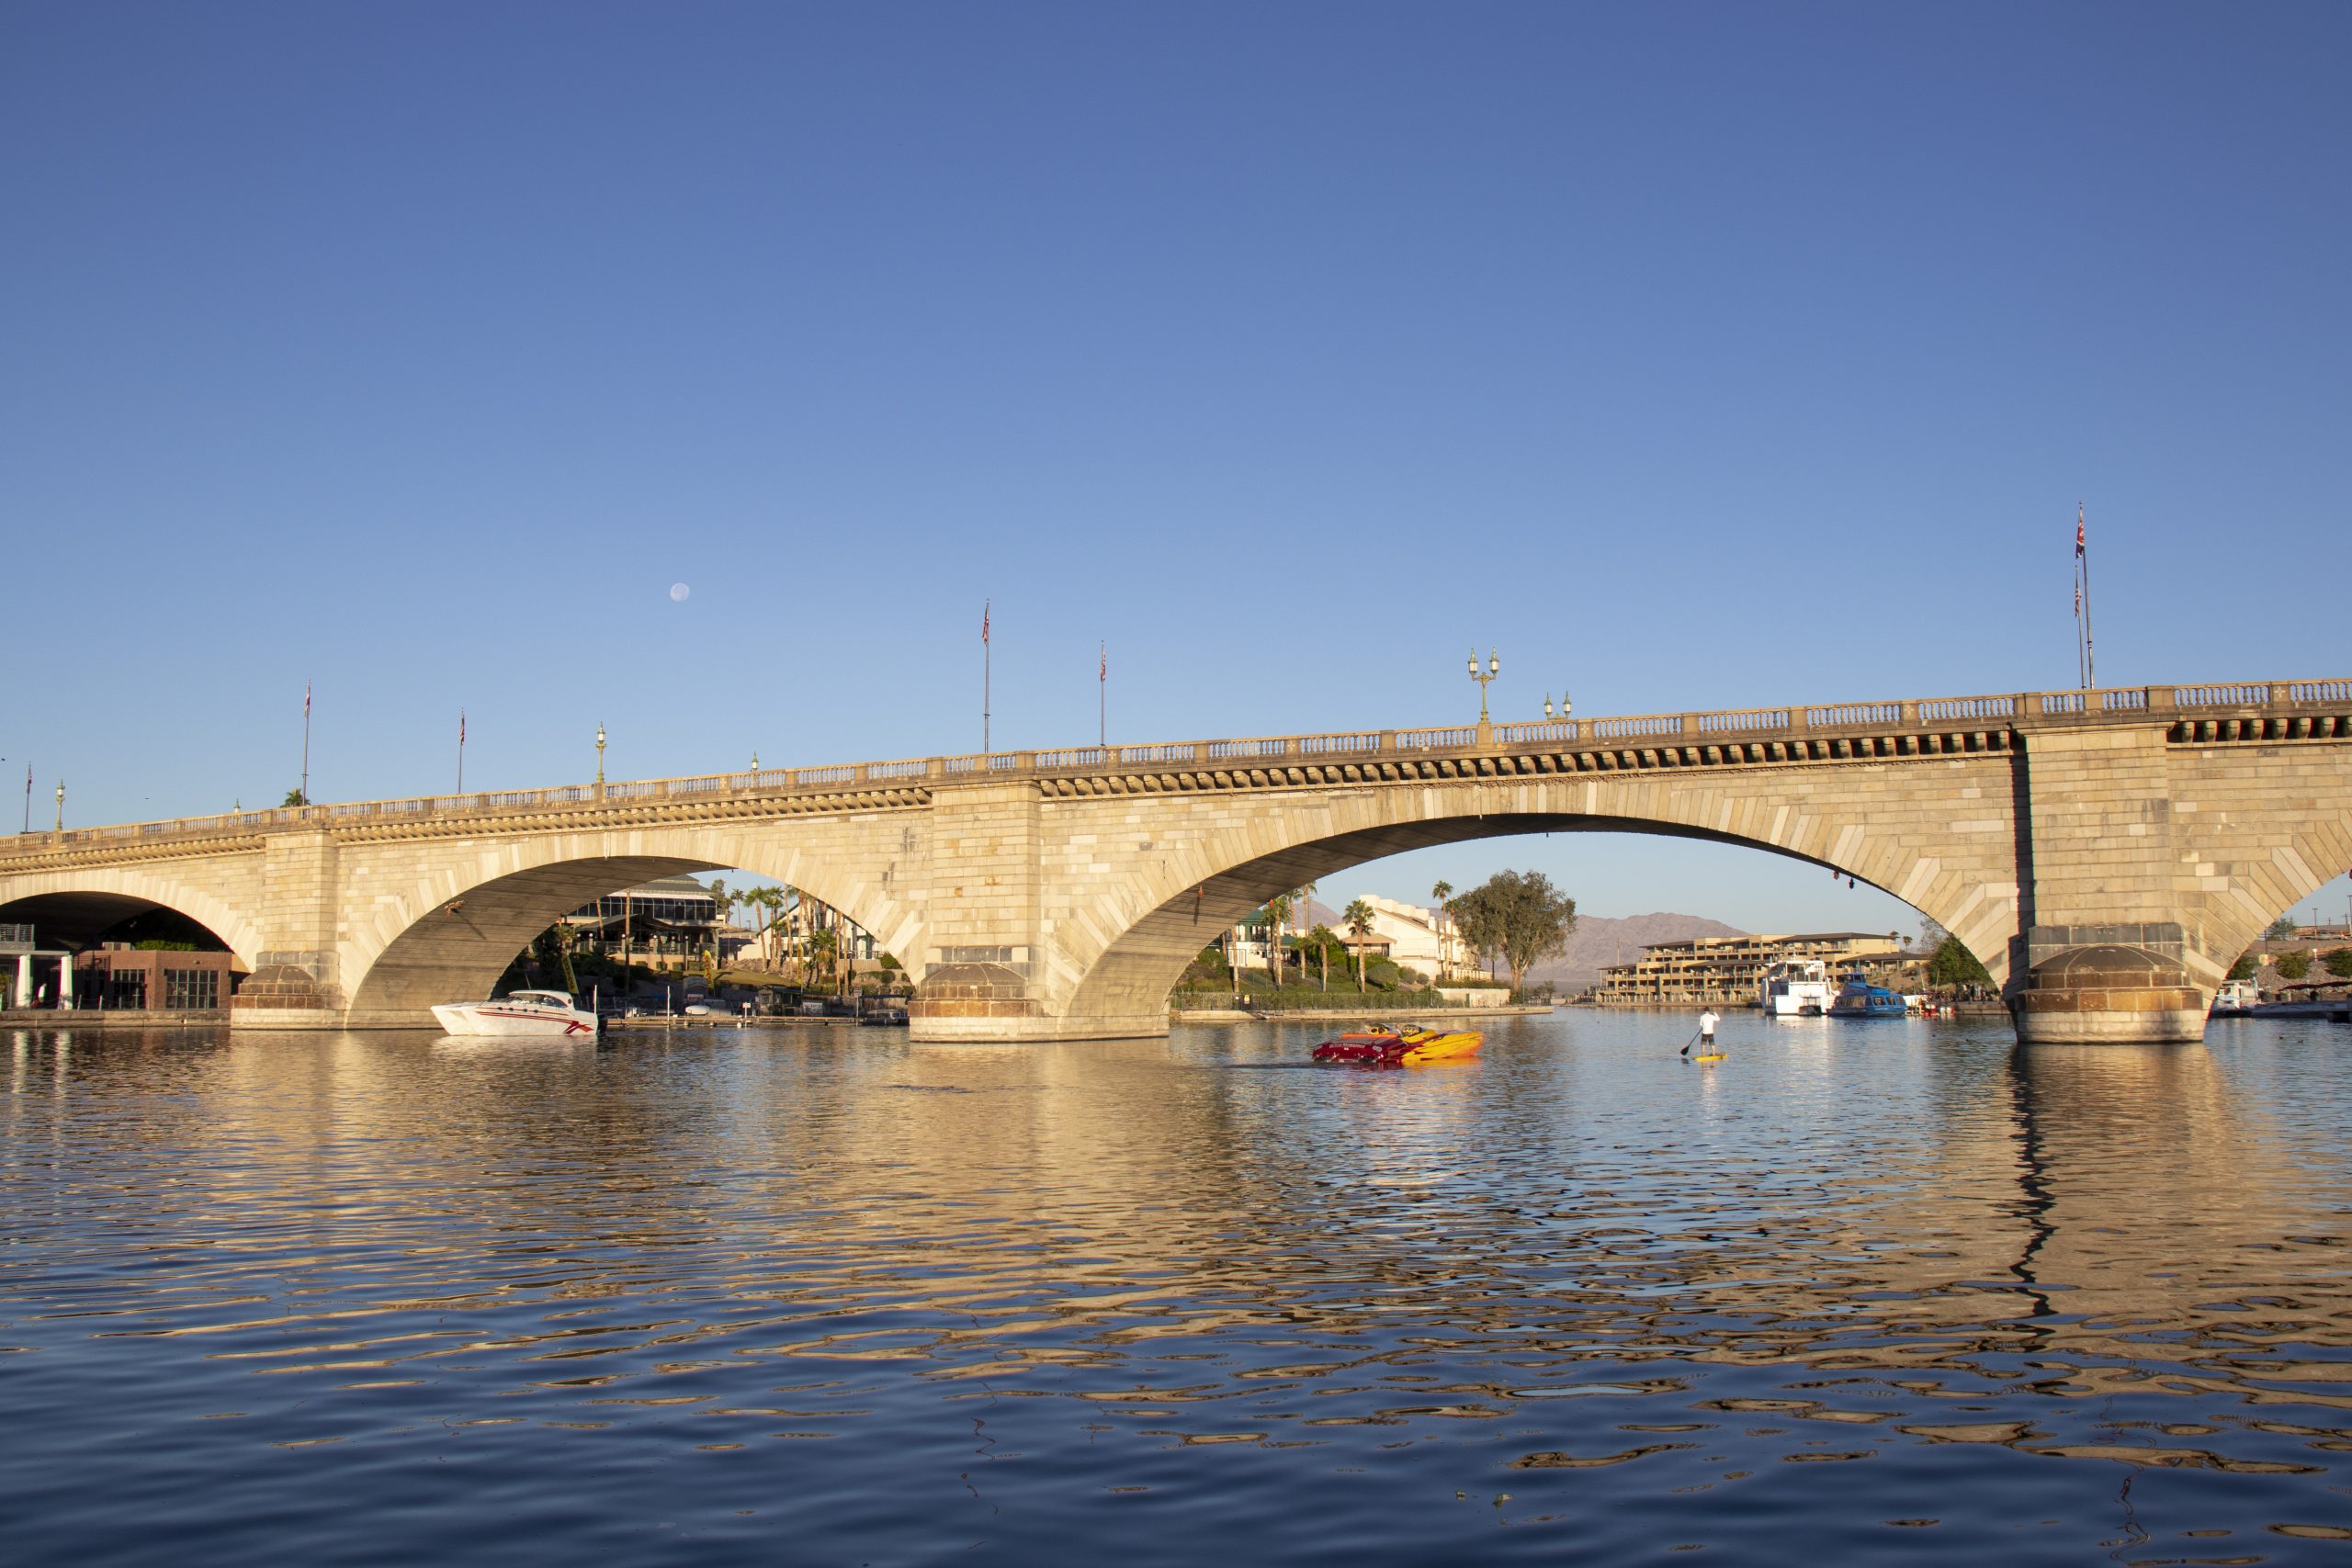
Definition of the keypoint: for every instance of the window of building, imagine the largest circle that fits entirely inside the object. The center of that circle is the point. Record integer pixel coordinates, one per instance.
(126, 988)
(190, 988)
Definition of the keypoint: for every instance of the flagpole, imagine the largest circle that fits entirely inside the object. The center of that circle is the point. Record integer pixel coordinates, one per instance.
(461, 751)
(2082, 674)
(2090, 656)
(1103, 697)
(28, 797)
(306, 743)
(986, 653)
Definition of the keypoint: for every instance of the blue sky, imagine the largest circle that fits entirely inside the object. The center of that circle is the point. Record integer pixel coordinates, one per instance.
(1695, 356)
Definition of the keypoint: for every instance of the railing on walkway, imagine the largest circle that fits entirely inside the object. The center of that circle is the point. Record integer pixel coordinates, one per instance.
(1237, 755)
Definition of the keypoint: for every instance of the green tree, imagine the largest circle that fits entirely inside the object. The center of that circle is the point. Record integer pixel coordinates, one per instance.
(1358, 916)
(2244, 968)
(295, 797)
(1275, 914)
(2338, 963)
(2293, 964)
(1517, 916)
(769, 902)
(1322, 937)
(2281, 930)
(1440, 890)
(1953, 965)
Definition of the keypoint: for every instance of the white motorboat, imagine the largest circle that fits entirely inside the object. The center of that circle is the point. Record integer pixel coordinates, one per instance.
(548, 1014)
(1796, 988)
(2236, 998)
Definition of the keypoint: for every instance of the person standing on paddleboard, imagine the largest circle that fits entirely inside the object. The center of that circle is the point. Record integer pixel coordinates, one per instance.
(1707, 1022)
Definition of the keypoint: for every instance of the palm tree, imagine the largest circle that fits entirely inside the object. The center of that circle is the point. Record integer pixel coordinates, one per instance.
(1358, 915)
(1276, 913)
(1322, 939)
(1441, 891)
(769, 901)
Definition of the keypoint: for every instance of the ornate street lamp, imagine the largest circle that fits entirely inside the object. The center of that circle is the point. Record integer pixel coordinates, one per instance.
(600, 753)
(1563, 704)
(61, 806)
(1494, 668)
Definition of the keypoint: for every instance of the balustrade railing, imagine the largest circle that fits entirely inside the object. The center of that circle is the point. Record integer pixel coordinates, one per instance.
(2124, 701)
(1853, 713)
(1743, 719)
(1654, 724)
(2221, 696)
(1969, 708)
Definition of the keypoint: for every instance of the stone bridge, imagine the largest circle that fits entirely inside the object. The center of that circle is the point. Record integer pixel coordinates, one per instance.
(2107, 854)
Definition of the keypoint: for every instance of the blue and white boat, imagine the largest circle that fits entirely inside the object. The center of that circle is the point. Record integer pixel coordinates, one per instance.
(1861, 999)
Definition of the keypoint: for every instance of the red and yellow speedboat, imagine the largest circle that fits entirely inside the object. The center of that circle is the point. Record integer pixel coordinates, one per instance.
(1408, 1046)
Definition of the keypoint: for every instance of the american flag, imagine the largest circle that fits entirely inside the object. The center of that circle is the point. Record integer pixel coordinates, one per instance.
(1105, 673)
(984, 619)
(462, 727)
(2078, 532)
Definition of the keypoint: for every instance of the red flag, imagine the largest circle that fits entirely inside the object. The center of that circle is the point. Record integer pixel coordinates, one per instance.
(2078, 600)
(1105, 673)
(2079, 531)
(462, 727)
(983, 620)
(306, 699)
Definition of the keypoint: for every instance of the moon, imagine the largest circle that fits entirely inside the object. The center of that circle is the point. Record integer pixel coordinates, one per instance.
(678, 591)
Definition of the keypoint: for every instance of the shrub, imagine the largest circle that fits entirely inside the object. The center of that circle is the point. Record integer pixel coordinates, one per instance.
(2339, 963)
(2242, 969)
(1382, 974)
(2293, 964)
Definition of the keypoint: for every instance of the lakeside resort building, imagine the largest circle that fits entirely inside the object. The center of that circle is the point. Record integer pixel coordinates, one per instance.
(1728, 971)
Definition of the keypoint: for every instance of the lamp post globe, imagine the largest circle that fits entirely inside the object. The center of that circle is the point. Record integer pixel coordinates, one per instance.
(600, 750)
(61, 806)
(1494, 668)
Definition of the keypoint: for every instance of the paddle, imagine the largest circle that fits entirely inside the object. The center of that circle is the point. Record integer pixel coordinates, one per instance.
(1686, 1050)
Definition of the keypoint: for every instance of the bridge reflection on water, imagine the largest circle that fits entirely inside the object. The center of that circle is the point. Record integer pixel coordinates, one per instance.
(1907, 1260)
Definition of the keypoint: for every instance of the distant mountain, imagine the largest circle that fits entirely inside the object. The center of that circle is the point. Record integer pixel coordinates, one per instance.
(1599, 942)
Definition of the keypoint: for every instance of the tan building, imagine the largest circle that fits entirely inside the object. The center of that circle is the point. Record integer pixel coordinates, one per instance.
(1727, 971)
(1416, 937)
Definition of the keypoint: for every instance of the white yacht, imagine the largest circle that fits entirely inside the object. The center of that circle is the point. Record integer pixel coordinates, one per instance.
(544, 1013)
(1798, 987)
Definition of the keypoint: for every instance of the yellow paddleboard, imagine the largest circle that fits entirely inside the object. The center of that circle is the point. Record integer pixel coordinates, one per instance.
(1716, 1057)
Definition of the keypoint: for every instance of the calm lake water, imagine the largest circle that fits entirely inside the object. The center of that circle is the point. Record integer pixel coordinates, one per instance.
(1878, 1292)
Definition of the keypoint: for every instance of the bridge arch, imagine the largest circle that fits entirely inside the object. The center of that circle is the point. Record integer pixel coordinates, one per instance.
(73, 907)
(441, 925)
(1960, 871)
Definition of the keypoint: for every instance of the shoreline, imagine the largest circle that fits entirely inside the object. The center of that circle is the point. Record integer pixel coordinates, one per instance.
(1366, 1015)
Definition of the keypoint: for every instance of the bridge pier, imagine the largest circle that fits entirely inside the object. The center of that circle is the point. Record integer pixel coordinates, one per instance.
(2107, 985)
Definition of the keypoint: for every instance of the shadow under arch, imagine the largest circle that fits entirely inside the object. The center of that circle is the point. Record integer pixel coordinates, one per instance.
(448, 935)
(76, 909)
(1135, 971)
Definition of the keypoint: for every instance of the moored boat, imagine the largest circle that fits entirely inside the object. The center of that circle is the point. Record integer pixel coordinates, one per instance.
(1795, 988)
(546, 1014)
(1860, 998)
(2236, 998)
